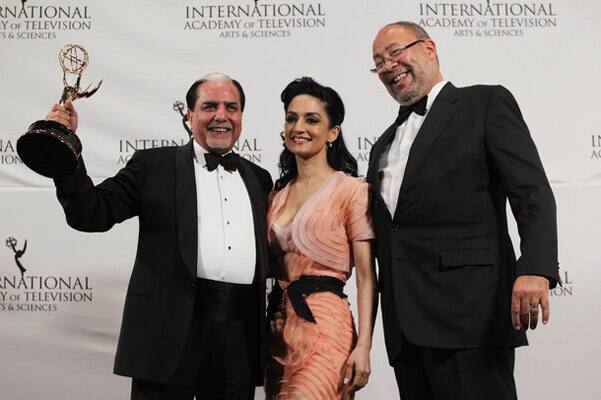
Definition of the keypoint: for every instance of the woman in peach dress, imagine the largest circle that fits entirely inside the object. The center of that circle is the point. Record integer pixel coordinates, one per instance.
(319, 229)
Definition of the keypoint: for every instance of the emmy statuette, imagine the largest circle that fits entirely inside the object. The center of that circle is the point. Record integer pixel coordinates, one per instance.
(49, 148)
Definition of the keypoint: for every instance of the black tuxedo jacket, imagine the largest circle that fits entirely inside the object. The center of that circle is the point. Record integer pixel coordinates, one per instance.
(446, 262)
(158, 186)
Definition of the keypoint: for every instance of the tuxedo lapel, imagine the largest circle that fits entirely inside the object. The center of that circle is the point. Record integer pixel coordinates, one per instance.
(259, 209)
(186, 207)
(373, 172)
(442, 110)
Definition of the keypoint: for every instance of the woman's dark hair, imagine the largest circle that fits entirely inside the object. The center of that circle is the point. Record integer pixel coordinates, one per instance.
(338, 155)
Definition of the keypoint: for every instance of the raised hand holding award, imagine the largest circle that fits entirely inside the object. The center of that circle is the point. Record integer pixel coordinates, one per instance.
(50, 148)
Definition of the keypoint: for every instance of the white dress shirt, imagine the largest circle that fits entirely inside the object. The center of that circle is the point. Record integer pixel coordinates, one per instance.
(226, 233)
(393, 161)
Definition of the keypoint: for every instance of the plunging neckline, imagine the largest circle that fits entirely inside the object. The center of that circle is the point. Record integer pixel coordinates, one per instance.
(311, 198)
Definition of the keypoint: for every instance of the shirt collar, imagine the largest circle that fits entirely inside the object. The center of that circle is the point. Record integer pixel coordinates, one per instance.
(434, 93)
(199, 153)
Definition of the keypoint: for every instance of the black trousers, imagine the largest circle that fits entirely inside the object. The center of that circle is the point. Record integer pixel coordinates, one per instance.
(215, 363)
(424, 373)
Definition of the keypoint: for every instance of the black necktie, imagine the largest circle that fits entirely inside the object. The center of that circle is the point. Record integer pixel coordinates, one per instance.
(230, 161)
(418, 108)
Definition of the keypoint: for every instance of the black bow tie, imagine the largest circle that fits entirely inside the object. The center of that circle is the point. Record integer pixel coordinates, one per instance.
(230, 161)
(418, 108)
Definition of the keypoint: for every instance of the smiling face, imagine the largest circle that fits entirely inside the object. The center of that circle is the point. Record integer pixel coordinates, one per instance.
(412, 75)
(216, 120)
(307, 130)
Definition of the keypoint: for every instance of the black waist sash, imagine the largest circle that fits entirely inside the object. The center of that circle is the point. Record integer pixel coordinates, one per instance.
(302, 287)
(222, 301)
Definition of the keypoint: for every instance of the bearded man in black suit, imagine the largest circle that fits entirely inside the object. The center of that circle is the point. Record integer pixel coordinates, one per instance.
(455, 301)
(194, 317)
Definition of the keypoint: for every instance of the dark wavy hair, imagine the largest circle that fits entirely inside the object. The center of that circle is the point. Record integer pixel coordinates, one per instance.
(338, 155)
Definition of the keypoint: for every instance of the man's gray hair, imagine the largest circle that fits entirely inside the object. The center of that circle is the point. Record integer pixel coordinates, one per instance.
(191, 95)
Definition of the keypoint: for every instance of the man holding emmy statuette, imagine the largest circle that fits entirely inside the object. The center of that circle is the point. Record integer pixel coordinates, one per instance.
(194, 317)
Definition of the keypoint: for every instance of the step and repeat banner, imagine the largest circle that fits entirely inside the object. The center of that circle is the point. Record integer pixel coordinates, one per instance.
(62, 291)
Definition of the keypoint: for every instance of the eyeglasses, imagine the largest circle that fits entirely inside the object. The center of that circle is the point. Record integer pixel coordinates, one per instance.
(393, 57)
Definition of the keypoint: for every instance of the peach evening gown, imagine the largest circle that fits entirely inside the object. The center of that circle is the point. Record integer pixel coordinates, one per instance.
(307, 358)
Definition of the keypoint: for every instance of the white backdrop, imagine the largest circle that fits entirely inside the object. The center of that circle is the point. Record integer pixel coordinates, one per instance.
(58, 331)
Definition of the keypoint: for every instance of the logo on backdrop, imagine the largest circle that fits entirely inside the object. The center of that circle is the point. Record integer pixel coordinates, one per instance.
(11, 243)
(255, 19)
(488, 18)
(361, 148)
(21, 21)
(249, 148)
(31, 292)
(8, 153)
(596, 147)
(566, 288)
(127, 147)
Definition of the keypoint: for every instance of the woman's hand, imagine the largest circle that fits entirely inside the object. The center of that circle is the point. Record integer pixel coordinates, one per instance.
(357, 369)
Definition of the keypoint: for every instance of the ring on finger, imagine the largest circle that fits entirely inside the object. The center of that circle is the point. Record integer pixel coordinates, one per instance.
(533, 307)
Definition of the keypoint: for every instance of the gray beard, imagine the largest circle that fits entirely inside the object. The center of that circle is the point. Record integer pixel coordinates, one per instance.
(409, 98)
(412, 96)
